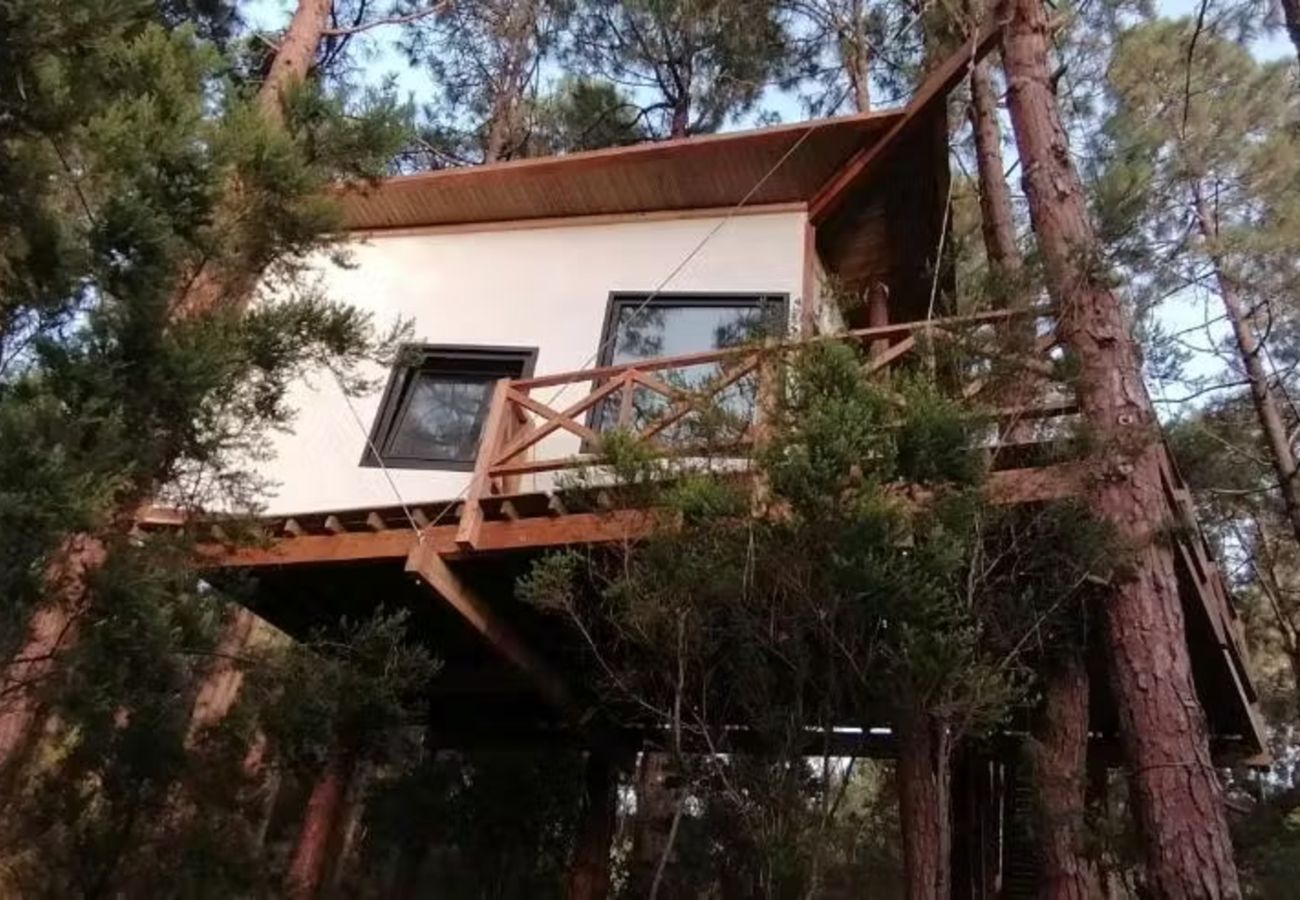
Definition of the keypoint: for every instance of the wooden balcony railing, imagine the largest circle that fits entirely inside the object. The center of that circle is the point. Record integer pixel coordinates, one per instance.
(519, 422)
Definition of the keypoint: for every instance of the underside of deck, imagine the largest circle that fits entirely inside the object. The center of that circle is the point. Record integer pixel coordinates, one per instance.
(513, 675)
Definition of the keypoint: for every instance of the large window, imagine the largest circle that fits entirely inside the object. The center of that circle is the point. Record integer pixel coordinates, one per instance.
(431, 415)
(639, 327)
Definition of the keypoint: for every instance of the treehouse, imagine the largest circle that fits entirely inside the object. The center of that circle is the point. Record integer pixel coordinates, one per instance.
(553, 299)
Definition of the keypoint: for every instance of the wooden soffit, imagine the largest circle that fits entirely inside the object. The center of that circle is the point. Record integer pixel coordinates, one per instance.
(780, 164)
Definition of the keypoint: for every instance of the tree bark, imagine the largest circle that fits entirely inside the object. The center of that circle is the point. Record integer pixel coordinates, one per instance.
(511, 80)
(855, 51)
(51, 629)
(681, 120)
(924, 807)
(656, 803)
(588, 877)
(1291, 15)
(997, 216)
(220, 686)
(1006, 263)
(210, 287)
(1281, 453)
(1177, 795)
(320, 826)
(1058, 753)
(294, 56)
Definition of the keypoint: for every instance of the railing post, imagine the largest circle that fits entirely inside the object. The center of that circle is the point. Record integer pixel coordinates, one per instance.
(877, 317)
(764, 413)
(471, 515)
(625, 402)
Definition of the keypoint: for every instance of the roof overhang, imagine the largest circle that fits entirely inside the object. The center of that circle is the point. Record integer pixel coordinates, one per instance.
(777, 165)
(824, 163)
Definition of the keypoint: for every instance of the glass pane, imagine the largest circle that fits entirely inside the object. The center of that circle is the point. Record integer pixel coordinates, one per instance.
(442, 417)
(671, 330)
(661, 330)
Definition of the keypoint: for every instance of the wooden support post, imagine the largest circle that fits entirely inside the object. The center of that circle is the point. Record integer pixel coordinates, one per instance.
(878, 317)
(471, 515)
(320, 825)
(588, 877)
(425, 563)
(977, 826)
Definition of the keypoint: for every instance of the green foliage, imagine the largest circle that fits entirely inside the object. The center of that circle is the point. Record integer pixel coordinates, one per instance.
(474, 824)
(132, 161)
(702, 61)
(583, 113)
(875, 583)
(349, 690)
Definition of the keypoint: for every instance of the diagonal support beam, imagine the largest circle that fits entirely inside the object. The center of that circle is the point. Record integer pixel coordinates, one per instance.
(425, 564)
(928, 98)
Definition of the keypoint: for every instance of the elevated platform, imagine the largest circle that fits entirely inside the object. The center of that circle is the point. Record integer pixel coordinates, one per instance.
(513, 674)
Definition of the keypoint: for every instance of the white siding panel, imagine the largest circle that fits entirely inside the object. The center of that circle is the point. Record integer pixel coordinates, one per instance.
(541, 287)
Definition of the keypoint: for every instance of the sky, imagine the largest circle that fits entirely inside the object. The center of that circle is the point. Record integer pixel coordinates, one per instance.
(384, 61)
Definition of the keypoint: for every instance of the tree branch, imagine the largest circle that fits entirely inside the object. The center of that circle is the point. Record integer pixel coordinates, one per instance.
(388, 20)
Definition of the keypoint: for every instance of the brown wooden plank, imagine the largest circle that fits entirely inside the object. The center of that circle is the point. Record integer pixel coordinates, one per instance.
(691, 403)
(394, 544)
(1035, 485)
(430, 568)
(878, 362)
(313, 548)
(531, 437)
(668, 391)
(471, 514)
(686, 360)
(550, 415)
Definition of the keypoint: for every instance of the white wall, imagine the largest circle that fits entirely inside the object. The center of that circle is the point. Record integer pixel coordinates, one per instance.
(538, 287)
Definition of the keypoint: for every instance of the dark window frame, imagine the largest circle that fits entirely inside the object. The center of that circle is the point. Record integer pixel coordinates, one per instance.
(514, 362)
(777, 301)
(759, 299)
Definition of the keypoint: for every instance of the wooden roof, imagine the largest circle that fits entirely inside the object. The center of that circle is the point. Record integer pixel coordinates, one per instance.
(689, 173)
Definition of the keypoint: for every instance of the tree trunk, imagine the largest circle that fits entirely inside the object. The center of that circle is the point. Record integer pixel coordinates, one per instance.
(1178, 798)
(220, 687)
(1058, 753)
(924, 809)
(656, 803)
(855, 51)
(294, 56)
(589, 868)
(511, 81)
(320, 825)
(997, 216)
(210, 287)
(1006, 264)
(51, 629)
(1291, 14)
(681, 120)
(1281, 453)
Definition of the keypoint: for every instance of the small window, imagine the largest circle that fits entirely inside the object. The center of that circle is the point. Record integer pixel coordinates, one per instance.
(432, 412)
(640, 327)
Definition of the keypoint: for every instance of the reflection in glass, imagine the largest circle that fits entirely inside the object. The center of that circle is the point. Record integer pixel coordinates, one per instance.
(441, 418)
(657, 330)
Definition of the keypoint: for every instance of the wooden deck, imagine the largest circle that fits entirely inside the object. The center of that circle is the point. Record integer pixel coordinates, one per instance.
(467, 551)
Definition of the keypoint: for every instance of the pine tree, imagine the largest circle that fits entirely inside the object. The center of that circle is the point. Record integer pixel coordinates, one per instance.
(1179, 801)
(698, 63)
(485, 60)
(1211, 132)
